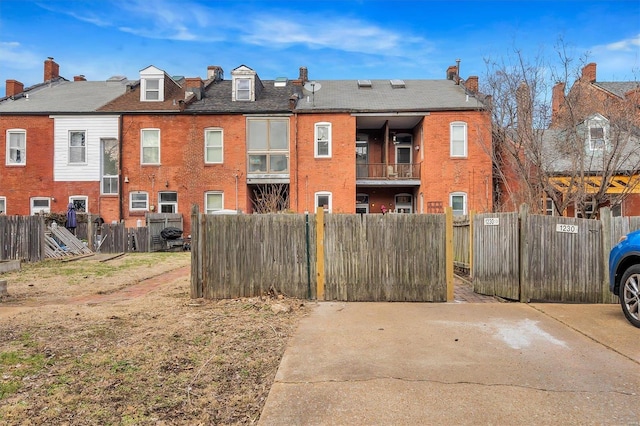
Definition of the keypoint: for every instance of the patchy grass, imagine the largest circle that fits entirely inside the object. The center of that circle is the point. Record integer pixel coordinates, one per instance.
(161, 358)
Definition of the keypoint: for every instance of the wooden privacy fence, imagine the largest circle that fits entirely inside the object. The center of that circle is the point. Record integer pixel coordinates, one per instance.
(461, 242)
(527, 257)
(327, 257)
(117, 238)
(22, 238)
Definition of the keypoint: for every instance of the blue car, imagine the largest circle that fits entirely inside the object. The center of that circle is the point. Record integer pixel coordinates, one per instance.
(624, 275)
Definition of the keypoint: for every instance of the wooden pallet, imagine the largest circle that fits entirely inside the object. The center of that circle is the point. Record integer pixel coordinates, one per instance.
(60, 243)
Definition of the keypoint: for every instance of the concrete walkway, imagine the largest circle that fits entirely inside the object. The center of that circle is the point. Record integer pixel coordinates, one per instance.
(458, 363)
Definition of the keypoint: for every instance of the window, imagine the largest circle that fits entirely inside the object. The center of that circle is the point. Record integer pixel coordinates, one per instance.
(40, 205)
(151, 89)
(323, 199)
(3, 205)
(596, 138)
(268, 145)
(458, 203)
(168, 202)
(213, 201)
(550, 207)
(16, 147)
(110, 158)
(362, 203)
(404, 203)
(243, 89)
(138, 201)
(150, 146)
(458, 132)
(213, 146)
(323, 140)
(80, 203)
(77, 147)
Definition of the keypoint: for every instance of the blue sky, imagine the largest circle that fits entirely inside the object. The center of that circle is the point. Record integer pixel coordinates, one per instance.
(364, 39)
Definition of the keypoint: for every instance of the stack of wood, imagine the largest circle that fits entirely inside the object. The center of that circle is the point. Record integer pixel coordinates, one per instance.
(59, 243)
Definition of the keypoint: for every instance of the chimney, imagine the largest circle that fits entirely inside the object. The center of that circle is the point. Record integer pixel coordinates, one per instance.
(79, 78)
(589, 72)
(304, 75)
(215, 73)
(557, 102)
(472, 83)
(452, 72)
(13, 87)
(523, 99)
(51, 69)
(193, 86)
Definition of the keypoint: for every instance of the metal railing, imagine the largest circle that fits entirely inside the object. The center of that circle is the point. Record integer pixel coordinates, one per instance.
(388, 171)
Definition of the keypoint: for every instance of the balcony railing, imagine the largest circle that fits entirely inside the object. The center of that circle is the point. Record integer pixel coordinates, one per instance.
(388, 171)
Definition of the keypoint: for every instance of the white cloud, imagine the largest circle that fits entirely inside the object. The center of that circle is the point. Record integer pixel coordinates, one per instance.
(628, 45)
(13, 55)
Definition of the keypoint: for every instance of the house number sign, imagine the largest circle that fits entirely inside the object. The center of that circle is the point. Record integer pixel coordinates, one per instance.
(491, 221)
(567, 229)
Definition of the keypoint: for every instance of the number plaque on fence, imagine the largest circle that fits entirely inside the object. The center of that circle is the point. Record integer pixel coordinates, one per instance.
(491, 221)
(567, 229)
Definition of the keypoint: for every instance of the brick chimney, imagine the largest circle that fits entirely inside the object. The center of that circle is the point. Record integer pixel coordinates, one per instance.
(13, 87)
(525, 110)
(215, 73)
(51, 69)
(557, 102)
(589, 72)
(452, 72)
(472, 83)
(79, 78)
(193, 86)
(304, 75)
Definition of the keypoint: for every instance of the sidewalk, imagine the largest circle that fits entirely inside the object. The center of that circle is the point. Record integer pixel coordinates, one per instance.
(458, 363)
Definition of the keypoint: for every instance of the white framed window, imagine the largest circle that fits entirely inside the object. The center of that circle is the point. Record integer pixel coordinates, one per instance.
(80, 203)
(458, 141)
(324, 200)
(138, 200)
(77, 147)
(40, 205)
(151, 89)
(550, 207)
(268, 145)
(404, 203)
(3, 205)
(109, 166)
(322, 137)
(16, 147)
(213, 146)
(168, 202)
(150, 146)
(458, 203)
(213, 201)
(243, 89)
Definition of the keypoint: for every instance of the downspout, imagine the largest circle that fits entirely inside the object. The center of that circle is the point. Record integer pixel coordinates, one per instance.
(236, 176)
(120, 178)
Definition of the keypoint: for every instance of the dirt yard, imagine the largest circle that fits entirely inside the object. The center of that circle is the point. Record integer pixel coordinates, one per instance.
(93, 342)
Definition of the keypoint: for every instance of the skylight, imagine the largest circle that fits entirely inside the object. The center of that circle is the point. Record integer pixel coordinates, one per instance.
(397, 84)
(364, 83)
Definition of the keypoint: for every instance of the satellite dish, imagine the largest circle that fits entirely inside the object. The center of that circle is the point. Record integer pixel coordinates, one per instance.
(312, 86)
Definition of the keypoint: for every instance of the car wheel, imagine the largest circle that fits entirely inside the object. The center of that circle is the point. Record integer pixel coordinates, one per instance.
(630, 294)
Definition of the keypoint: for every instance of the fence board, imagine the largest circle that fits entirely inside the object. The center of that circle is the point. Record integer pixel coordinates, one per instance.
(496, 255)
(461, 241)
(156, 222)
(22, 238)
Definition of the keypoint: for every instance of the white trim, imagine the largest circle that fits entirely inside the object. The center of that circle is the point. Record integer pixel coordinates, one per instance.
(84, 148)
(23, 152)
(451, 140)
(206, 147)
(403, 206)
(35, 210)
(464, 202)
(316, 139)
(3, 205)
(142, 132)
(208, 210)
(138, 209)
(316, 204)
(85, 198)
(161, 203)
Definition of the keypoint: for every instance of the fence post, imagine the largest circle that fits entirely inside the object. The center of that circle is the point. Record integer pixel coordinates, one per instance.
(472, 215)
(196, 254)
(605, 220)
(524, 253)
(449, 252)
(320, 253)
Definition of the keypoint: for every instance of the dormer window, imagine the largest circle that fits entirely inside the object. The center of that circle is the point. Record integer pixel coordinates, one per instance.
(152, 84)
(246, 84)
(243, 89)
(596, 138)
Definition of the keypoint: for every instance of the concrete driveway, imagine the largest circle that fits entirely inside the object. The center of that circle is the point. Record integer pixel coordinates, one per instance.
(497, 363)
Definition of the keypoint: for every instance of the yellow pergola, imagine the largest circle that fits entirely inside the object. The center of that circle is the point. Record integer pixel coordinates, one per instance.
(616, 185)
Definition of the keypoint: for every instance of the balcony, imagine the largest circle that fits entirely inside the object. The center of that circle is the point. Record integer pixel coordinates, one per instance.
(392, 171)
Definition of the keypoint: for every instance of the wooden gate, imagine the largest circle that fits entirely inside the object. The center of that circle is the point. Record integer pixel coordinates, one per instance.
(496, 247)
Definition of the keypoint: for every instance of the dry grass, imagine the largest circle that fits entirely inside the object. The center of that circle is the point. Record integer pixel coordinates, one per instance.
(134, 353)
